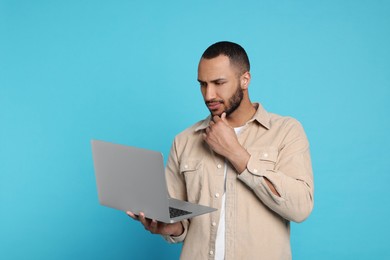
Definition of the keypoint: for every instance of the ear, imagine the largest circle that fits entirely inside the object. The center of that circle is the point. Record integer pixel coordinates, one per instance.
(245, 80)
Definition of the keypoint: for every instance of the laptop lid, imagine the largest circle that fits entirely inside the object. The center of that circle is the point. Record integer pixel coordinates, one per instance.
(130, 178)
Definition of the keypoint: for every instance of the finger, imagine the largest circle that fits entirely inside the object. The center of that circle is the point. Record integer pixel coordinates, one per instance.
(216, 119)
(143, 220)
(153, 226)
(223, 117)
(132, 215)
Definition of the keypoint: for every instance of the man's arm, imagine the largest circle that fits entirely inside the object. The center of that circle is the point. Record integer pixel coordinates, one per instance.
(155, 227)
(222, 139)
(287, 189)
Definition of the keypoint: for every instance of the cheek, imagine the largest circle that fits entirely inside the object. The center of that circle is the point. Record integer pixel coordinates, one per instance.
(203, 92)
(226, 95)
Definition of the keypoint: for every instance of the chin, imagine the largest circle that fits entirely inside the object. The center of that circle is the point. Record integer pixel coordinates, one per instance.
(216, 113)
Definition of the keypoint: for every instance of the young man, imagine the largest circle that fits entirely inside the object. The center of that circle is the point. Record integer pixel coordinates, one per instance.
(252, 165)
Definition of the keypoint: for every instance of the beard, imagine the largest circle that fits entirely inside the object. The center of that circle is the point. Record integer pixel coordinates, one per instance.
(234, 101)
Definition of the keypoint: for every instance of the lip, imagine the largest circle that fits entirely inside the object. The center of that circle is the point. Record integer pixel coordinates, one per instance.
(214, 105)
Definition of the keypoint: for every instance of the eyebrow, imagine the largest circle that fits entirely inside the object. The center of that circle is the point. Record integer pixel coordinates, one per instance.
(213, 81)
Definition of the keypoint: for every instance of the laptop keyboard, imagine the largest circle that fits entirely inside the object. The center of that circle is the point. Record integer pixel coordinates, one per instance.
(174, 212)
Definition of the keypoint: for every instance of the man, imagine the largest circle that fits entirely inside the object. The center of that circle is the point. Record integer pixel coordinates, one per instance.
(253, 166)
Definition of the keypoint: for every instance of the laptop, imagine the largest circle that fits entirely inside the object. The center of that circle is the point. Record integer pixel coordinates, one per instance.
(133, 179)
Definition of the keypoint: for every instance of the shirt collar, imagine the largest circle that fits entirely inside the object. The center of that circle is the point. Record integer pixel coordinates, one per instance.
(261, 116)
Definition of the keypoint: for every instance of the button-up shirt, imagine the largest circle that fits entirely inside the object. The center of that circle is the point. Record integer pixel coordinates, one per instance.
(257, 221)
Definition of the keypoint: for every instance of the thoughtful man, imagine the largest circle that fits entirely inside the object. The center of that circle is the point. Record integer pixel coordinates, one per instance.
(252, 165)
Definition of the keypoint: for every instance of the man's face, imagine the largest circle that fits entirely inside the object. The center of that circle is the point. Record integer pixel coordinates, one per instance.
(220, 85)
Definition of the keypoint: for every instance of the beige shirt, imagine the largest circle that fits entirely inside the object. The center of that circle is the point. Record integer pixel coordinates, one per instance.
(257, 221)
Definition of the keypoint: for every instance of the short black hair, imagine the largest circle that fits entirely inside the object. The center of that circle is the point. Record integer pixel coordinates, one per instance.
(236, 54)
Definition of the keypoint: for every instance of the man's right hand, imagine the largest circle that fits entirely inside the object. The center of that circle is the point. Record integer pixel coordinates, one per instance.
(156, 227)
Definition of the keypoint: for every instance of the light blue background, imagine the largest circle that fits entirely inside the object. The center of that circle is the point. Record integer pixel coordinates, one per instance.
(125, 71)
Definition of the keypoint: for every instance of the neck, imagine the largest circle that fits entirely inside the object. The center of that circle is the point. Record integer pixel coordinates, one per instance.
(242, 114)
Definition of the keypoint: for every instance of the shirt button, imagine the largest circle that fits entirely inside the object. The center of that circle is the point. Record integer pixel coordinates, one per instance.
(219, 166)
(254, 170)
(265, 155)
(217, 195)
(213, 224)
(211, 252)
(186, 166)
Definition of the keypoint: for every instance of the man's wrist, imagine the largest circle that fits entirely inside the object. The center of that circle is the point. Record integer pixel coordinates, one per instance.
(179, 231)
(240, 160)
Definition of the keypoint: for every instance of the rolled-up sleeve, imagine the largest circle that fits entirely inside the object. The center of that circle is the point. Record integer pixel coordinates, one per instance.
(288, 167)
(178, 239)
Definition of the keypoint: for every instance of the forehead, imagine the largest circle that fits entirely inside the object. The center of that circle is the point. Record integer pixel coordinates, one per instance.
(218, 67)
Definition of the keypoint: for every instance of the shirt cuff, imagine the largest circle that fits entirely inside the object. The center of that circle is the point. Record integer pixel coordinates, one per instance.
(178, 239)
(253, 177)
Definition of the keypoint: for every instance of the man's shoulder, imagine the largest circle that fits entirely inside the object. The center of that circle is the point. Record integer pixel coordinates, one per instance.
(191, 130)
(285, 124)
(277, 119)
(191, 137)
(274, 120)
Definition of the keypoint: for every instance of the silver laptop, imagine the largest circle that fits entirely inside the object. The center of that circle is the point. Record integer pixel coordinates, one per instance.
(130, 178)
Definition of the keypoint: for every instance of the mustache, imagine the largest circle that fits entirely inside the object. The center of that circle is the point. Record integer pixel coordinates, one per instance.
(214, 101)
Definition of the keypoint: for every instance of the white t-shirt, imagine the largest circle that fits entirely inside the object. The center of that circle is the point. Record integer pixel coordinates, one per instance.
(220, 239)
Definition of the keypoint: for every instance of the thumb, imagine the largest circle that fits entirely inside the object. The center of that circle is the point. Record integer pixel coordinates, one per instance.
(223, 117)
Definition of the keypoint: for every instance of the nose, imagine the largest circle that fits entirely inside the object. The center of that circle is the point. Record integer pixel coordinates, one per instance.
(209, 93)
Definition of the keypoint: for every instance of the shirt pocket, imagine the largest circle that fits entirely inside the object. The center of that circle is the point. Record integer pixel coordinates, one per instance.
(193, 175)
(265, 159)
